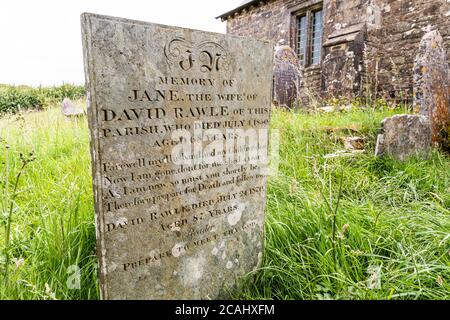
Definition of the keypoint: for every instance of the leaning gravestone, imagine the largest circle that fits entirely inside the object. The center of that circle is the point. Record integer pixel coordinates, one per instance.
(431, 85)
(178, 121)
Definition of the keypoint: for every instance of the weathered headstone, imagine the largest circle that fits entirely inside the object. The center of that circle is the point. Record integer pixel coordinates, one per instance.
(69, 109)
(432, 85)
(403, 136)
(178, 122)
(287, 76)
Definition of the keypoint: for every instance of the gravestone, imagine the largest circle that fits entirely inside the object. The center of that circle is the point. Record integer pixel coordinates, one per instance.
(403, 136)
(431, 86)
(287, 76)
(69, 109)
(179, 133)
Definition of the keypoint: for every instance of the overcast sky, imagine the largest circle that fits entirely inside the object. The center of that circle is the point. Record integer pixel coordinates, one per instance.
(40, 40)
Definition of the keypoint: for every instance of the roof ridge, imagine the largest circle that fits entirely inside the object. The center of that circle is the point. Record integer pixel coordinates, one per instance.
(242, 6)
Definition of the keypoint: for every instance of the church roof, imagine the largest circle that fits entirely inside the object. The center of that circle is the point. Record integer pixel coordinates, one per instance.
(243, 5)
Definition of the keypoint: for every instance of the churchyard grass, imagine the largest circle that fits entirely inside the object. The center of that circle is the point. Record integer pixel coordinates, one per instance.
(52, 224)
(390, 221)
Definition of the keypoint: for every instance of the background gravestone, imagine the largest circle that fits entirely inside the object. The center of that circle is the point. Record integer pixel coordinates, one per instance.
(431, 86)
(171, 225)
(69, 109)
(287, 76)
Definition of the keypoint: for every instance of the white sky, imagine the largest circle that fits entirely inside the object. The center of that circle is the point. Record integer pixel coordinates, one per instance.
(40, 40)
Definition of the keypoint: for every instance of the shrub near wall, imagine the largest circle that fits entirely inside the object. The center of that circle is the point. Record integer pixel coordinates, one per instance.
(16, 98)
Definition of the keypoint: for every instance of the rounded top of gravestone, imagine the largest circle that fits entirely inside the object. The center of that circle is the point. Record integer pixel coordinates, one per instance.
(431, 49)
(286, 54)
(432, 38)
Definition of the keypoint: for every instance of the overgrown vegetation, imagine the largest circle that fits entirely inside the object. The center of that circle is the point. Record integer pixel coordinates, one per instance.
(18, 98)
(52, 225)
(352, 228)
(343, 228)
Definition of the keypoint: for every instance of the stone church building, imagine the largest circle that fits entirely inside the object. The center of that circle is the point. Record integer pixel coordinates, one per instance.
(343, 48)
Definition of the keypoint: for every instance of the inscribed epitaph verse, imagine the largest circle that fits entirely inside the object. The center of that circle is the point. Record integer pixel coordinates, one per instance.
(178, 121)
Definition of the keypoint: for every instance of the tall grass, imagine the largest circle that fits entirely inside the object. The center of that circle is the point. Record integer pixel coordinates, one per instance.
(52, 226)
(352, 228)
(343, 228)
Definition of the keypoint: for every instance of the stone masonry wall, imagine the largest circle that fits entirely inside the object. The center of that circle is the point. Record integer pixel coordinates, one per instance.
(344, 38)
(344, 13)
(271, 20)
(395, 28)
(390, 40)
